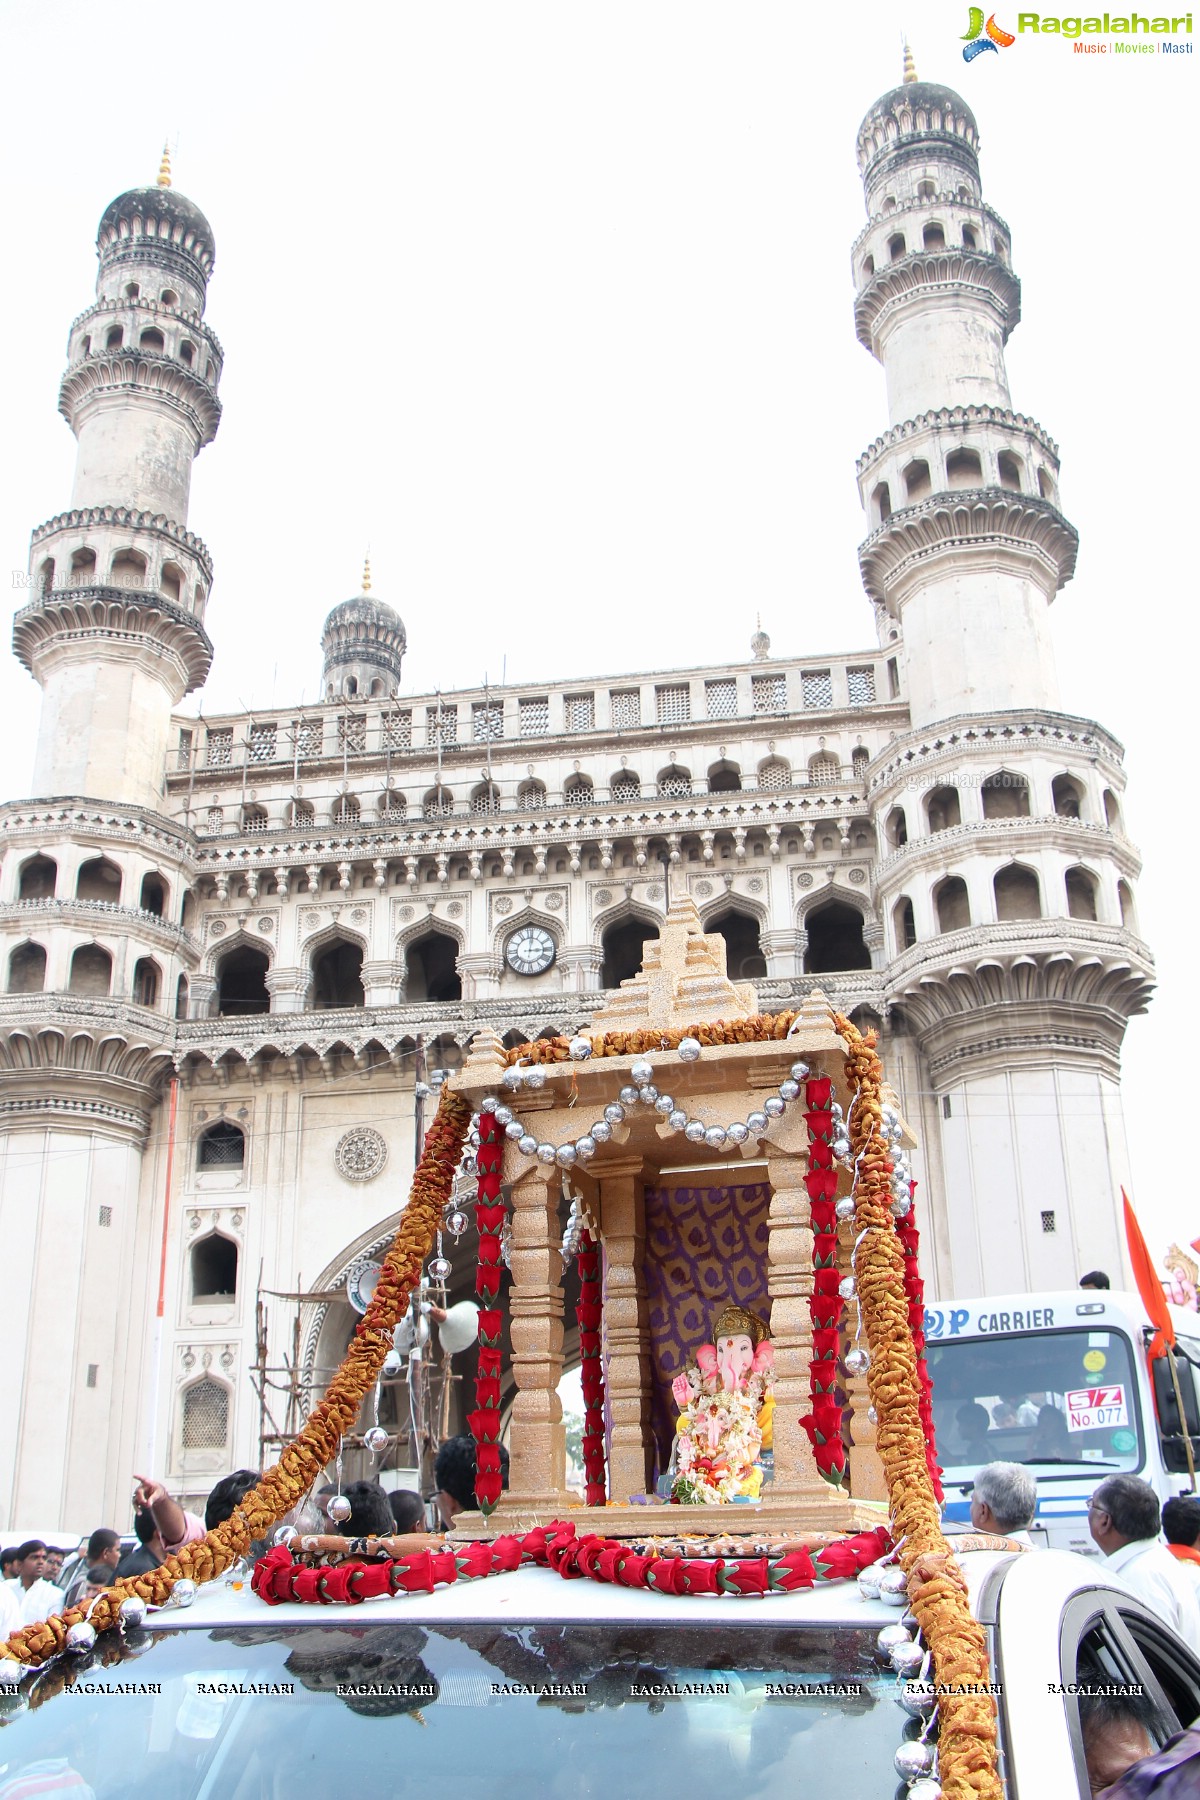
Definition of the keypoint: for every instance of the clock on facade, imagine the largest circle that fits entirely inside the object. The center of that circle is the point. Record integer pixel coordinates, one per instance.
(529, 951)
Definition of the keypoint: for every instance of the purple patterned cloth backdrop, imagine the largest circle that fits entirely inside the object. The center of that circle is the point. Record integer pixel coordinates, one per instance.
(704, 1246)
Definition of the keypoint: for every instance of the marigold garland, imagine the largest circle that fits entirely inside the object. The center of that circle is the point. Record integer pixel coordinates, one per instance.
(914, 1293)
(966, 1720)
(490, 1214)
(288, 1480)
(824, 1423)
(588, 1313)
(759, 1028)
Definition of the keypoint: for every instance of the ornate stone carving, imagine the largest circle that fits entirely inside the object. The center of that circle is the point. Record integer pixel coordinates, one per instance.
(360, 1153)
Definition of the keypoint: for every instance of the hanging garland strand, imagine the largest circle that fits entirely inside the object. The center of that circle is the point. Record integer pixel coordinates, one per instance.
(588, 1313)
(759, 1028)
(966, 1715)
(914, 1293)
(490, 1214)
(824, 1423)
(288, 1480)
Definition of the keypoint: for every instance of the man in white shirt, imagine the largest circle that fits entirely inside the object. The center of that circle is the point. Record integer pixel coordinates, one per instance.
(36, 1597)
(1124, 1520)
(1004, 1500)
(10, 1612)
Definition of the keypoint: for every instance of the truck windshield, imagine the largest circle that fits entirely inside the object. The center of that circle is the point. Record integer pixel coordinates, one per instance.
(1065, 1401)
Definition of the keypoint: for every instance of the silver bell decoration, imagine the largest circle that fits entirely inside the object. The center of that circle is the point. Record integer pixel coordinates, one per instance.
(376, 1440)
(546, 1153)
(914, 1760)
(439, 1268)
(677, 1118)
(756, 1122)
(601, 1131)
(847, 1288)
(184, 1592)
(535, 1077)
(889, 1637)
(868, 1581)
(845, 1208)
(566, 1156)
(918, 1698)
(893, 1585)
(926, 1788)
(580, 1049)
(693, 1131)
(80, 1638)
(338, 1508)
(527, 1145)
(585, 1147)
(800, 1071)
(614, 1112)
(641, 1073)
(773, 1107)
(456, 1223)
(737, 1133)
(908, 1659)
(12, 1673)
(132, 1610)
(689, 1049)
(629, 1095)
(858, 1360)
(512, 1077)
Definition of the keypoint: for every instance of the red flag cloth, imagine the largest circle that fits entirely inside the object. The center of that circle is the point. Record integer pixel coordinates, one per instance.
(1148, 1284)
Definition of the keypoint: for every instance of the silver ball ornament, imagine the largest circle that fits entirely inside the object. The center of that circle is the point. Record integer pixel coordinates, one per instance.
(918, 1698)
(527, 1144)
(800, 1071)
(439, 1268)
(629, 1095)
(788, 1090)
(514, 1131)
(488, 1104)
(456, 1223)
(914, 1760)
(868, 1581)
(614, 1112)
(926, 1788)
(756, 1122)
(580, 1048)
(737, 1133)
(281, 1537)
(714, 1137)
(908, 1659)
(12, 1673)
(841, 1147)
(900, 1209)
(893, 1585)
(845, 1209)
(693, 1131)
(535, 1077)
(857, 1360)
(132, 1610)
(585, 1147)
(338, 1508)
(773, 1107)
(664, 1103)
(566, 1156)
(504, 1115)
(889, 1637)
(677, 1118)
(641, 1072)
(512, 1077)
(601, 1131)
(376, 1440)
(184, 1592)
(689, 1049)
(546, 1153)
(847, 1288)
(649, 1095)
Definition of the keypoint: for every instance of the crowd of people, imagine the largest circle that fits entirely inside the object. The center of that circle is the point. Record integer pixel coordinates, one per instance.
(38, 1579)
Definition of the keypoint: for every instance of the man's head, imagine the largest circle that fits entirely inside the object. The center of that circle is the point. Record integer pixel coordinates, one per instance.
(104, 1546)
(1123, 1510)
(972, 1419)
(370, 1514)
(99, 1576)
(408, 1510)
(1115, 1728)
(54, 1563)
(30, 1562)
(1003, 1499)
(146, 1531)
(1181, 1521)
(1095, 1278)
(454, 1474)
(227, 1496)
(8, 1563)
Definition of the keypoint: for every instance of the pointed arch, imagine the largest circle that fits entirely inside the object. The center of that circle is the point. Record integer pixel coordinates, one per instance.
(620, 935)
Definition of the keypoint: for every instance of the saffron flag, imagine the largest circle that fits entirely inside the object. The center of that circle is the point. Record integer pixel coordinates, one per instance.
(1148, 1284)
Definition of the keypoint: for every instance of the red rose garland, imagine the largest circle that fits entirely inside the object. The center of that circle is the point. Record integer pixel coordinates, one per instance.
(490, 1214)
(278, 1577)
(824, 1423)
(588, 1313)
(914, 1293)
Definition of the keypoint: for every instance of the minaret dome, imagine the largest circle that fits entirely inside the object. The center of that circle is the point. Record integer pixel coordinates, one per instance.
(363, 644)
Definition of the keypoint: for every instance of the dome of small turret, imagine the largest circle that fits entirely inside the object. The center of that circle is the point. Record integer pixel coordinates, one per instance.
(363, 644)
(916, 112)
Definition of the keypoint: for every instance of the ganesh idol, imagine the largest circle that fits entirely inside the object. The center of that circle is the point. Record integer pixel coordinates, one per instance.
(725, 1414)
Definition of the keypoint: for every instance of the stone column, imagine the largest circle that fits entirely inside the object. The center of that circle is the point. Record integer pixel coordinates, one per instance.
(626, 1332)
(287, 987)
(537, 1477)
(202, 996)
(381, 983)
(790, 1284)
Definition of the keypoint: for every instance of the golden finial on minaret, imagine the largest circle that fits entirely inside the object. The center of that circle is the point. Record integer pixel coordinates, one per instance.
(366, 586)
(910, 67)
(164, 167)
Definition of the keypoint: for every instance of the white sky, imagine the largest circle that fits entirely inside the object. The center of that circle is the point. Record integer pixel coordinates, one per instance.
(550, 303)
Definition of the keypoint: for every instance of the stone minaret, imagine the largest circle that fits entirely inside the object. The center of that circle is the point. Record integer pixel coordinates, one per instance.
(115, 632)
(1005, 876)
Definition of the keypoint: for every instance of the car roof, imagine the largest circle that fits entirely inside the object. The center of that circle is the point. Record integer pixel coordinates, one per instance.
(531, 1594)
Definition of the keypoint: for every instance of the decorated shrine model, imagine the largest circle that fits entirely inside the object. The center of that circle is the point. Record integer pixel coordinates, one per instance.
(716, 1342)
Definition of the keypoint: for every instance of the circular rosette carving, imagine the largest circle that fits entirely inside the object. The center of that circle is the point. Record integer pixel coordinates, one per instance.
(360, 1154)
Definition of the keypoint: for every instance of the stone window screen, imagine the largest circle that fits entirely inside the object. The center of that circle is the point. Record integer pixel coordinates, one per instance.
(824, 770)
(861, 683)
(774, 775)
(769, 693)
(487, 721)
(441, 724)
(183, 757)
(580, 711)
(626, 709)
(533, 717)
(396, 730)
(262, 743)
(352, 733)
(205, 1415)
(309, 738)
(625, 788)
(817, 687)
(485, 801)
(220, 749)
(720, 699)
(106, 1215)
(673, 703)
(675, 785)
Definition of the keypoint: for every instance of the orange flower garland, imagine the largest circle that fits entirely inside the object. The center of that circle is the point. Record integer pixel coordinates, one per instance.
(937, 1593)
(286, 1483)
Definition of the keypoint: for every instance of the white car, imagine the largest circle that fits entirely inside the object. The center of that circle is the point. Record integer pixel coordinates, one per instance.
(526, 1684)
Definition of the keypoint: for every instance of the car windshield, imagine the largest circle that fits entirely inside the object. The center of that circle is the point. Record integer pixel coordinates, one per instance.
(1064, 1401)
(567, 1711)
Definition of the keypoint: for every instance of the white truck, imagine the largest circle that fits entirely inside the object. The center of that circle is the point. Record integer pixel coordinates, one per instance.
(1063, 1383)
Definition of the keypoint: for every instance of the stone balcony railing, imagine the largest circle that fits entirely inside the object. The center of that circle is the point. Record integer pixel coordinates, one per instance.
(99, 915)
(1074, 836)
(1013, 937)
